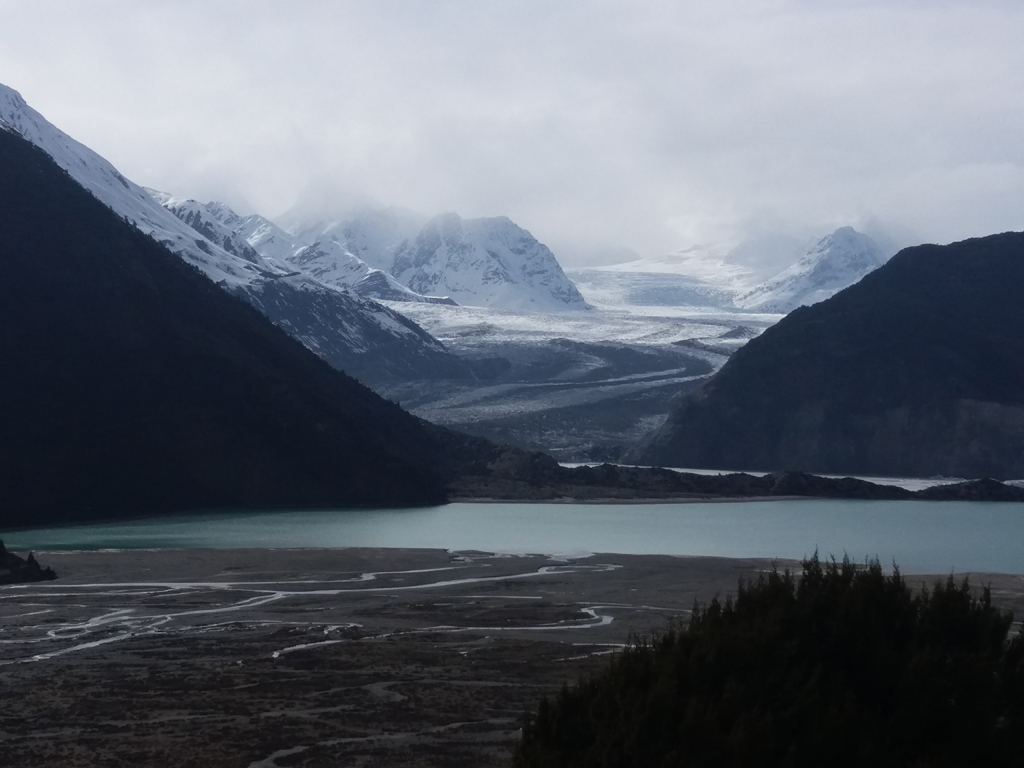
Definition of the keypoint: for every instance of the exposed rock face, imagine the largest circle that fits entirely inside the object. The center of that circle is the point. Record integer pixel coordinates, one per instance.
(916, 370)
(206, 220)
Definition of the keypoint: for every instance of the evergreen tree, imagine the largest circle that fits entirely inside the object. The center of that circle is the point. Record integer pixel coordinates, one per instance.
(842, 663)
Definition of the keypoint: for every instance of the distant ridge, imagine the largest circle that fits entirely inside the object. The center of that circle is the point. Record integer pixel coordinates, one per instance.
(917, 370)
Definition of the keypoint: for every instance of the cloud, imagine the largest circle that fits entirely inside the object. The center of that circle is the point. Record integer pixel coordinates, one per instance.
(596, 125)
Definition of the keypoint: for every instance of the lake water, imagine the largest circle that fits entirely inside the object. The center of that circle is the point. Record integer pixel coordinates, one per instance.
(920, 536)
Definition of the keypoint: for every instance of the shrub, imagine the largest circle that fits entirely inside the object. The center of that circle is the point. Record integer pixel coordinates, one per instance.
(843, 664)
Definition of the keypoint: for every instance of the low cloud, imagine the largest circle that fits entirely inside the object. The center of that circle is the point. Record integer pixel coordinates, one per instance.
(596, 125)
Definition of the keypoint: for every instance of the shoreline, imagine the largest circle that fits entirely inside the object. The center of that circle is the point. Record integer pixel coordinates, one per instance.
(403, 554)
(639, 500)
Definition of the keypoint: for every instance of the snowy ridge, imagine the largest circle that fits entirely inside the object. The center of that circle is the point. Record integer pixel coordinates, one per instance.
(381, 286)
(329, 262)
(202, 220)
(318, 252)
(835, 262)
(351, 333)
(485, 262)
(260, 233)
(123, 196)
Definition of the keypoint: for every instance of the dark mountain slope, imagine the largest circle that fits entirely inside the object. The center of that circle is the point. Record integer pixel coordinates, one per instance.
(916, 370)
(130, 384)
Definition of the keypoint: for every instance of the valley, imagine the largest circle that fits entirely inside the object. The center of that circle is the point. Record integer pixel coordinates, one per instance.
(472, 323)
(511, 385)
(582, 385)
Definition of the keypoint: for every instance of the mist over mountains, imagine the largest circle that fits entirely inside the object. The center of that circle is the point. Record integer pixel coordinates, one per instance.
(768, 274)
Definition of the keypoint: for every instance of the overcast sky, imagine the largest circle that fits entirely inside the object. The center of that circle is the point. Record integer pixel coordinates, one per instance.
(648, 125)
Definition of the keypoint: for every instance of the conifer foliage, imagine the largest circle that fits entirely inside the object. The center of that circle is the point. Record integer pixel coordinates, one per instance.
(844, 664)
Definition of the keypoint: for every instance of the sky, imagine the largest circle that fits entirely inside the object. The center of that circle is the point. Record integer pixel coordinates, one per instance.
(599, 126)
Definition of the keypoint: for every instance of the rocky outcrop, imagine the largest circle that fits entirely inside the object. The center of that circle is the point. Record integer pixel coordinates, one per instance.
(15, 570)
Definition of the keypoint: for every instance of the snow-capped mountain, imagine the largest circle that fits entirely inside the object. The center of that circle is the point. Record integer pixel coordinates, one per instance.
(480, 262)
(334, 264)
(126, 198)
(835, 262)
(330, 262)
(204, 220)
(326, 258)
(358, 336)
(260, 233)
(485, 262)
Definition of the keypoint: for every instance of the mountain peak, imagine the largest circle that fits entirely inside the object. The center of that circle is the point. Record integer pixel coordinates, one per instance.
(835, 262)
(490, 262)
(11, 101)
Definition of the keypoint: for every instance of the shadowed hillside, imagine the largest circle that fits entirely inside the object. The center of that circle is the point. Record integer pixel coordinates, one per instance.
(916, 370)
(131, 384)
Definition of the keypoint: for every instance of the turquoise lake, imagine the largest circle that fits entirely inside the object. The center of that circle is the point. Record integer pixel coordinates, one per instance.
(920, 536)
